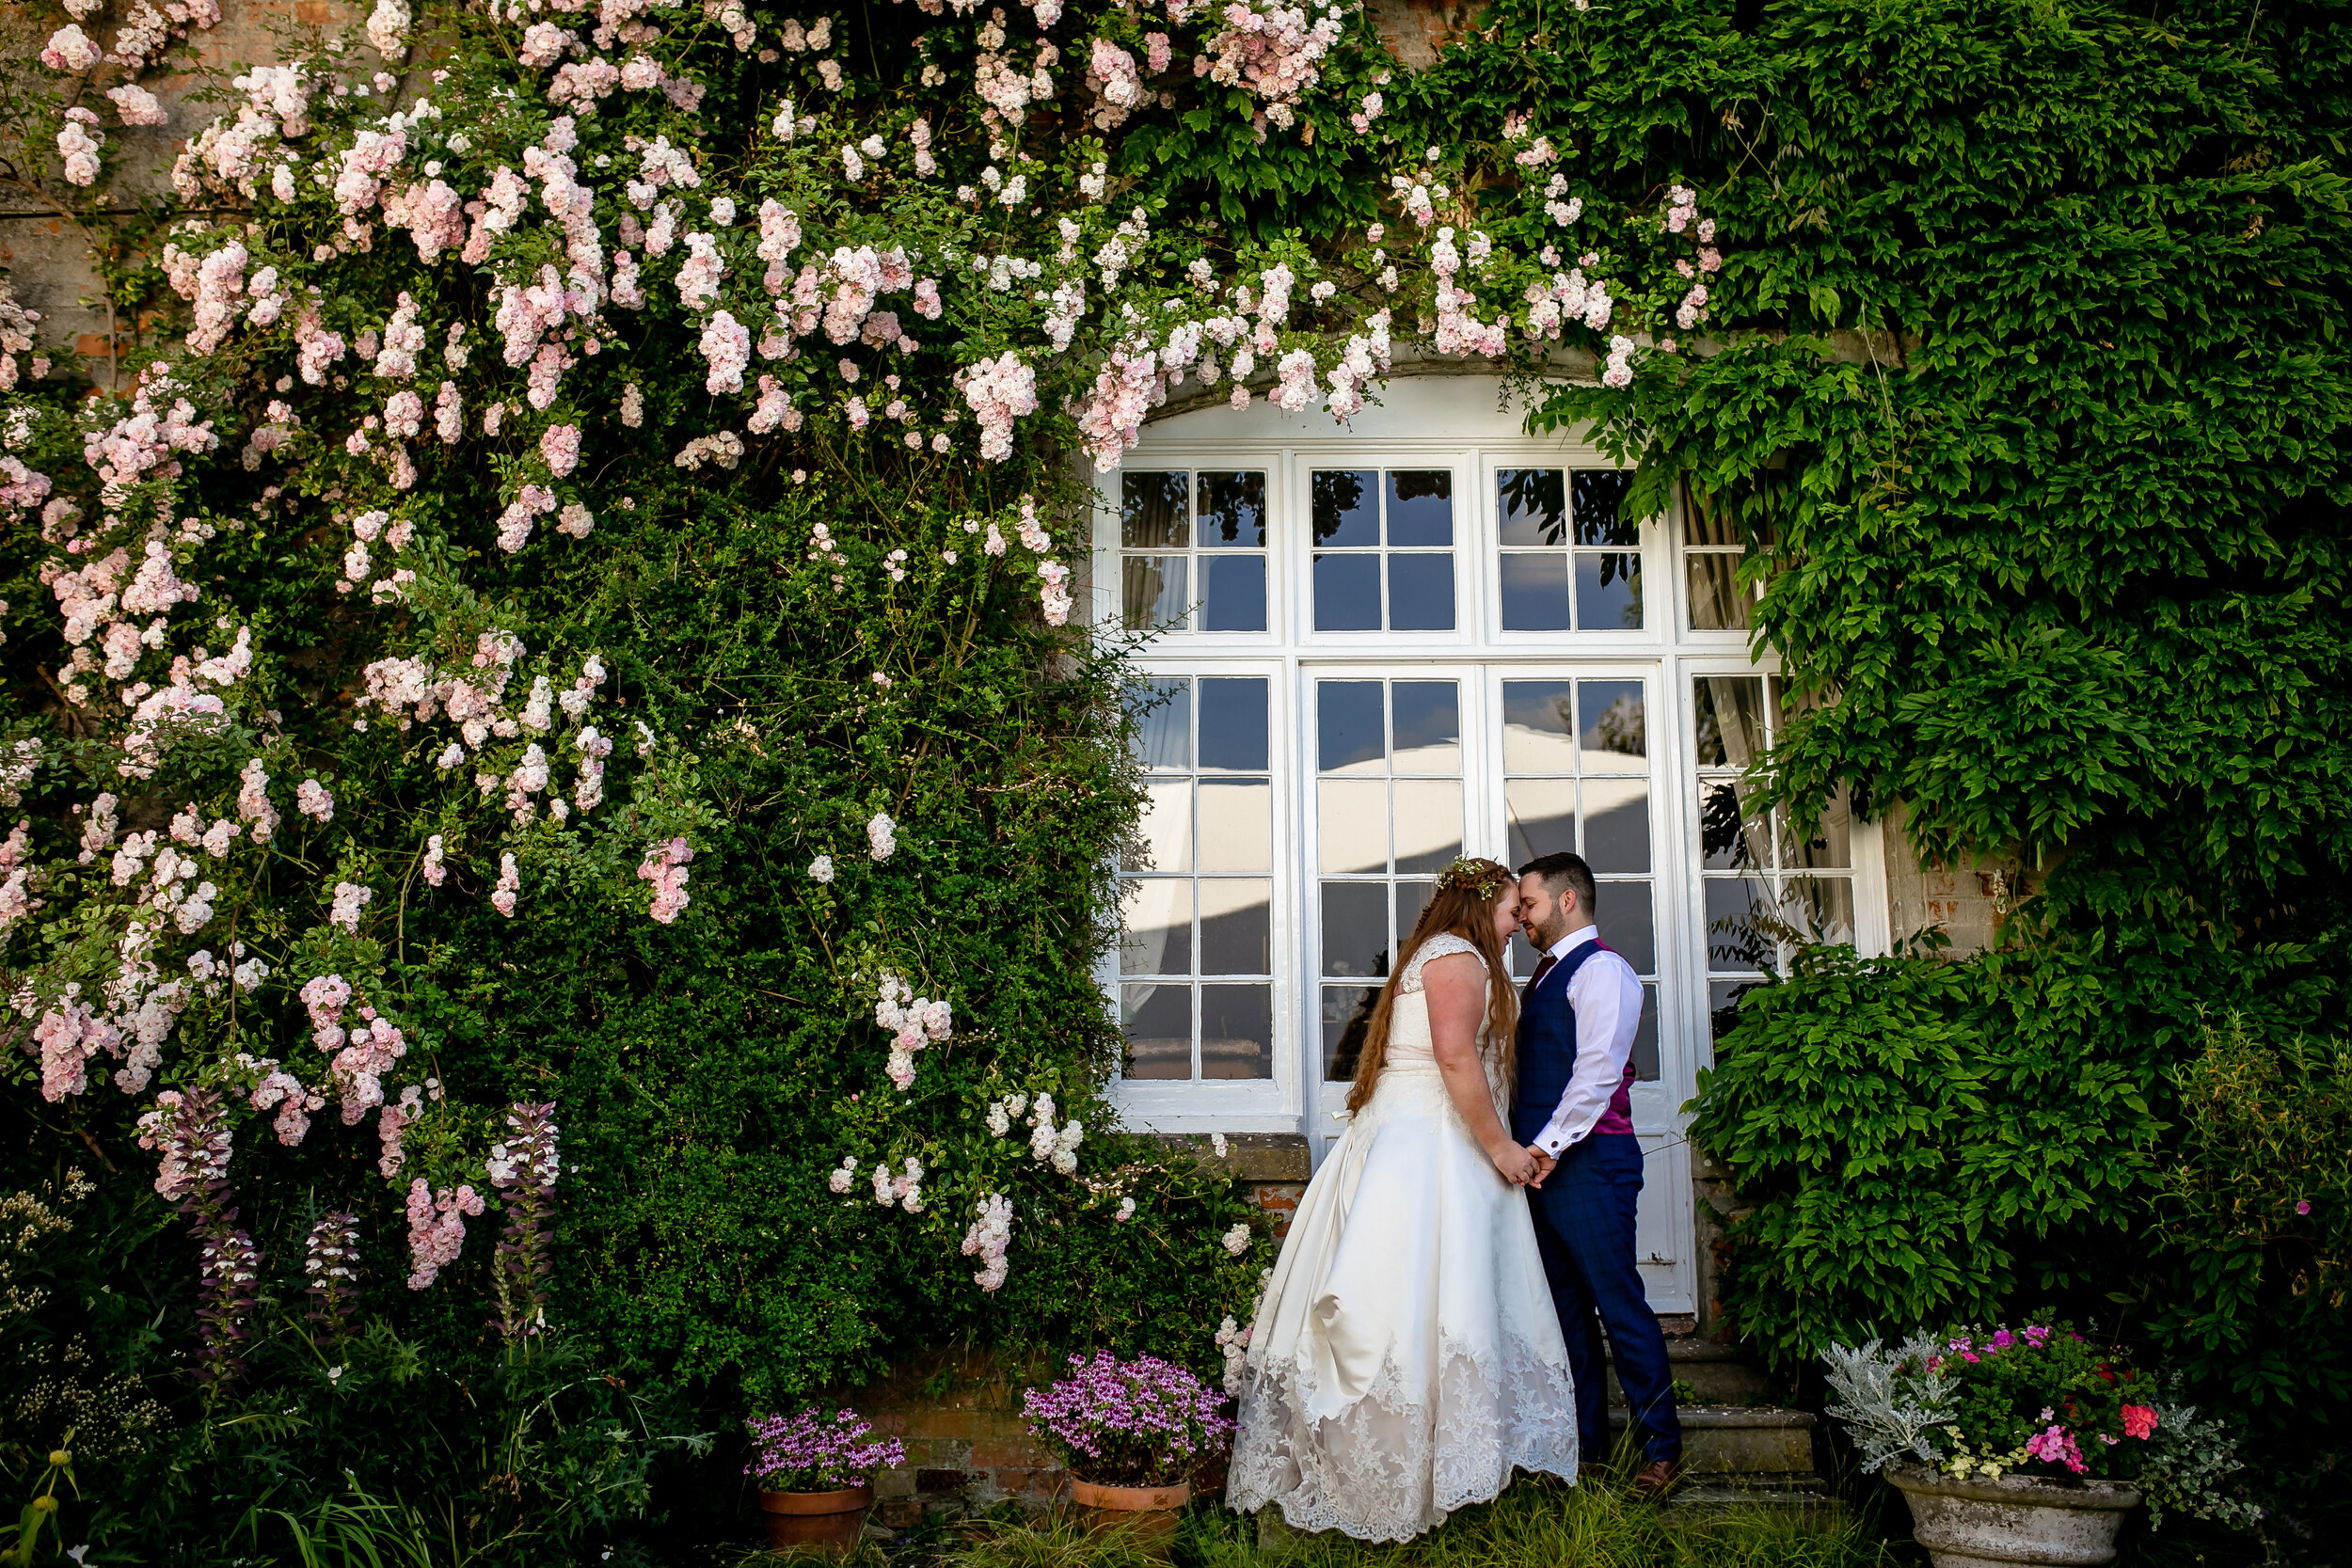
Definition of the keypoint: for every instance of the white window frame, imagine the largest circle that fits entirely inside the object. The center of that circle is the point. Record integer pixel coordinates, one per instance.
(1451, 422)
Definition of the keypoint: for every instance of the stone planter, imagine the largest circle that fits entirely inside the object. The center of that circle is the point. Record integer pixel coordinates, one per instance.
(2014, 1519)
(825, 1520)
(1147, 1512)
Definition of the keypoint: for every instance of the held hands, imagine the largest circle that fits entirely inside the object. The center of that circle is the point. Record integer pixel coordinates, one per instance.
(1520, 1166)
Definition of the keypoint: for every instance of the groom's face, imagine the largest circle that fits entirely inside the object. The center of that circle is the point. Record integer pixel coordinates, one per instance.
(1541, 914)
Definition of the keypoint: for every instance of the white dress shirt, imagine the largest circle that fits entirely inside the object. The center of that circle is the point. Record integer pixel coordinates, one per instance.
(1608, 1003)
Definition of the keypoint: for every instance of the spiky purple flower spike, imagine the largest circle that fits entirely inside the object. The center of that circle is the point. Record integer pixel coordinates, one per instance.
(190, 1131)
(523, 1169)
(330, 1260)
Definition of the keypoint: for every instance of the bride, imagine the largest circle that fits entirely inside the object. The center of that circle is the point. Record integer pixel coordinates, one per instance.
(1407, 1356)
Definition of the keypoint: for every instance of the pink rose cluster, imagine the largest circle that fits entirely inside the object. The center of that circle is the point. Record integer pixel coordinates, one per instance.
(915, 1022)
(664, 866)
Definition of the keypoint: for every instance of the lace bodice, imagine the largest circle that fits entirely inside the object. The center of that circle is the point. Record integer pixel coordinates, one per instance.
(1439, 947)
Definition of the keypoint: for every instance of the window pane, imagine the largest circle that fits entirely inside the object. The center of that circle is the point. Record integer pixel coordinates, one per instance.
(1347, 1020)
(1723, 1006)
(1532, 506)
(1233, 724)
(1534, 592)
(1646, 1038)
(1165, 835)
(1235, 589)
(1236, 1031)
(1707, 525)
(1521, 955)
(1352, 826)
(1628, 924)
(1616, 737)
(1162, 713)
(1420, 507)
(1356, 929)
(1347, 593)
(1608, 591)
(1421, 592)
(1411, 898)
(1537, 721)
(1346, 507)
(1153, 515)
(1157, 1020)
(1152, 589)
(1351, 734)
(1155, 927)
(1738, 909)
(1428, 820)
(1729, 719)
(1428, 718)
(1233, 510)
(1718, 603)
(1542, 814)
(1732, 832)
(1830, 848)
(1819, 909)
(1616, 824)
(1237, 923)
(1237, 825)
(1599, 496)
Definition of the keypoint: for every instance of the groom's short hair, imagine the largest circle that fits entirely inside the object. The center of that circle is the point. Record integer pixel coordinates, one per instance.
(1565, 870)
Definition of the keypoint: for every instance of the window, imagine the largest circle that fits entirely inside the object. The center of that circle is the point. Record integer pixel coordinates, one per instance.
(1710, 566)
(1576, 776)
(1762, 886)
(1192, 550)
(1389, 807)
(1571, 556)
(1196, 955)
(1384, 549)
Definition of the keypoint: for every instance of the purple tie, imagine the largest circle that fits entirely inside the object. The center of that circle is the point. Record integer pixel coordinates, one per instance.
(1537, 979)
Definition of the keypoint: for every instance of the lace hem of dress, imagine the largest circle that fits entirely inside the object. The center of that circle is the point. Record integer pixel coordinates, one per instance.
(1439, 947)
(1392, 1466)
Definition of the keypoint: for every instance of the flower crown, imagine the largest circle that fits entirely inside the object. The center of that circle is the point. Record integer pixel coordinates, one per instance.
(1485, 877)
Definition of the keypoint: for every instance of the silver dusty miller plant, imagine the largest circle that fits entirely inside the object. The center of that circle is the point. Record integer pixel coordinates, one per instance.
(2189, 1466)
(1891, 1408)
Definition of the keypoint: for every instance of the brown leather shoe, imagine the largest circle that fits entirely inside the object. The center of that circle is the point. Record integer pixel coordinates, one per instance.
(1656, 1481)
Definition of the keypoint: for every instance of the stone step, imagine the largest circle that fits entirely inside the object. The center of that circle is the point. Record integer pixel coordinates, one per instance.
(1803, 1498)
(1716, 1373)
(1742, 1440)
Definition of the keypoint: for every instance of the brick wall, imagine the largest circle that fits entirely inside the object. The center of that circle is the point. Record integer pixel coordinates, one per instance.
(958, 1413)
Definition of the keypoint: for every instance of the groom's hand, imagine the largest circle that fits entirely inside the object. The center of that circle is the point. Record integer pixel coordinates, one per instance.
(1543, 1166)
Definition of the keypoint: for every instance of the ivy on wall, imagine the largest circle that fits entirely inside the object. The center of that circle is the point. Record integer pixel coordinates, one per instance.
(2033, 413)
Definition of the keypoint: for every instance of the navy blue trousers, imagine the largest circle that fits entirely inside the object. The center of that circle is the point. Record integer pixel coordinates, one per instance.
(1585, 1231)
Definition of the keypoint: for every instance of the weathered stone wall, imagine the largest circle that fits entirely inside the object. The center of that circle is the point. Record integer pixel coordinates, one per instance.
(44, 249)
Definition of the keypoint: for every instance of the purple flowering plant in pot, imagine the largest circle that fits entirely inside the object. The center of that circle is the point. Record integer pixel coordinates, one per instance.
(1133, 1434)
(815, 1475)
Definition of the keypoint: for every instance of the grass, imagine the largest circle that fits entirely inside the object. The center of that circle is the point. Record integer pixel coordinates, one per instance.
(1538, 1523)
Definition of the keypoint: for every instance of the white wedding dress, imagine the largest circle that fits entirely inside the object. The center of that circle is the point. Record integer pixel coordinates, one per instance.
(1407, 1356)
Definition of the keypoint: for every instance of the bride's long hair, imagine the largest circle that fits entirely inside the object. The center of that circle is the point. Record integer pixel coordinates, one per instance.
(1463, 906)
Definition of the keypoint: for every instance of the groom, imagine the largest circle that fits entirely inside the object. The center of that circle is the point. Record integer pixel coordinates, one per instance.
(1572, 1108)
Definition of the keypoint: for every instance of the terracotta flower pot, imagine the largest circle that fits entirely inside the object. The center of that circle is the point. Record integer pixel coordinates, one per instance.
(2013, 1519)
(1145, 1512)
(828, 1520)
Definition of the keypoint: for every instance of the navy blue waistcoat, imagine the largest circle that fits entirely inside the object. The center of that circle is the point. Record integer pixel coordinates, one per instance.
(1546, 1046)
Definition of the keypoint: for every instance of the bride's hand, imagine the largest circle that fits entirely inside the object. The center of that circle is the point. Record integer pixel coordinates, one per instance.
(1516, 1161)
